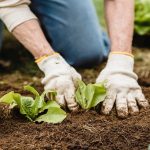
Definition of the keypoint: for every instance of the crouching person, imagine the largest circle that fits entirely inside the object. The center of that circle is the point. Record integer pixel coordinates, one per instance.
(64, 34)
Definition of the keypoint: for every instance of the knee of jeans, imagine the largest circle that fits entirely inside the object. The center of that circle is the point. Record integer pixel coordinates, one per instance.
(93, 53)
(90, 58)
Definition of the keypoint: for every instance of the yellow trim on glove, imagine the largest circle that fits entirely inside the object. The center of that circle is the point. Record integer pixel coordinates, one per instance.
(45, 56)
(123, 53)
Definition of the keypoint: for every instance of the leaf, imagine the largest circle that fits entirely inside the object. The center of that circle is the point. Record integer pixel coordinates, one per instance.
(48, 105)
(26, 107)
(38, 102)
(8, 98)
(51, 95)
(80, 94)
(99, 95)
(17, 98)
(31, 108)
(36, 105)
(142, 17)
(54, 115)
(42, 99)
(90, 95)
(31, 89)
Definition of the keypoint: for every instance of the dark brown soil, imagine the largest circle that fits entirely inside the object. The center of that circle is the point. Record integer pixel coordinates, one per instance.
(80, 131)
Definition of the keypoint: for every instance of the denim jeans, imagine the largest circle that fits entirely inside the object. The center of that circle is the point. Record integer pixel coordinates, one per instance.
(73, 30)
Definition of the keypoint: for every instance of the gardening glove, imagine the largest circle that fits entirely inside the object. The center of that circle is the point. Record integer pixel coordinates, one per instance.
(62, 78)
(122, 87)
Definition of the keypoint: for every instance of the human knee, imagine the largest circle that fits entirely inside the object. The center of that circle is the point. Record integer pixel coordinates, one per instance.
(92, 56)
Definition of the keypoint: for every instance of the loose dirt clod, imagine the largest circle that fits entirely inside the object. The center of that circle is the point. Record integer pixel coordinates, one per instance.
(5, 111)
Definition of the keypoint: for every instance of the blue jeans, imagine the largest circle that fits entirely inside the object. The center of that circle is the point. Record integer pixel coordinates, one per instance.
(72, 28)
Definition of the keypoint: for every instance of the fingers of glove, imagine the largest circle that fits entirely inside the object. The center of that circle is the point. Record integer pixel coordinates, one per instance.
(61, 100)
(48, 87)
(121, 105)
(132, 104)
(142, 101)
(51, 85)
(75, 76)
(59, 84)
(56, 85)
(109, 102)
(65, 87)
(102, 76)
(70, 98)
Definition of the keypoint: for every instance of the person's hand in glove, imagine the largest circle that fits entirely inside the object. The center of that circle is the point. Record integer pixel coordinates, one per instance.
(122, 87)
(60, 76)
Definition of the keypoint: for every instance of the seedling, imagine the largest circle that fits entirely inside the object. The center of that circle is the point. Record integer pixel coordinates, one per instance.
(142, 17)
(90, 95)
(36, 109)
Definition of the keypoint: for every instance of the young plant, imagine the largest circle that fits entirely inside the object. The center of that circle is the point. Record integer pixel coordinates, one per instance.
(90, 95)
(36, 109)
(142, 17)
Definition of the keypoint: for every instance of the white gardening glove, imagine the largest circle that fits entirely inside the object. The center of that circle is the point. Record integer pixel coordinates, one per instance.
(60, 76)
(122, 87)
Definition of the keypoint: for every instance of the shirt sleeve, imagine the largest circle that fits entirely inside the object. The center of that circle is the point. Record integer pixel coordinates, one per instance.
(15, 12)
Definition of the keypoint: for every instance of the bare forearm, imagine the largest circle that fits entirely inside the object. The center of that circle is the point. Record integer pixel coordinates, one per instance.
(31, 36)
(120, 22)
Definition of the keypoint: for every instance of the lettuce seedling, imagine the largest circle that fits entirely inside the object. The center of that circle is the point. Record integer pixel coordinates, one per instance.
(36, 109)
(90, 95)
(142, 17)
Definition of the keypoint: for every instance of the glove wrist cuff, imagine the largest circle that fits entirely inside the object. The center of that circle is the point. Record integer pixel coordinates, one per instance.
(53, 64)
(123, 53)
(118, 61)
(45, 56)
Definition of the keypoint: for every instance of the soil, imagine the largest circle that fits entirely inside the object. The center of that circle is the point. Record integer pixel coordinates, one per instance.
(80, 131)
(141, 41)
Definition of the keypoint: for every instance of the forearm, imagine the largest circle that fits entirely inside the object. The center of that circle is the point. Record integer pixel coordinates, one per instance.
(21, 21)
(120, 22)
(31, 36)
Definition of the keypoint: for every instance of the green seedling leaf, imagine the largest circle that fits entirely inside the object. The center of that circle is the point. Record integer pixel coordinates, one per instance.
(99, 95)
(80, 94)
(90, 95)
(9, 98)
(26, 107)
(32, 108)
(142, 17)
(54, 115)
(48, 105)
(31, 89)
(37, 103)
(51, 95)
